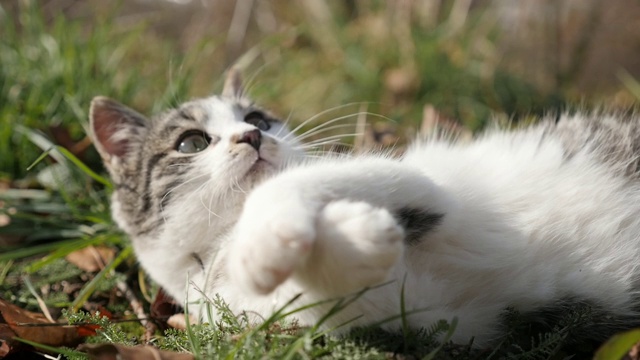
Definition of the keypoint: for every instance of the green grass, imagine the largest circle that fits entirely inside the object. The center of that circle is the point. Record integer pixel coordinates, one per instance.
(56, 197)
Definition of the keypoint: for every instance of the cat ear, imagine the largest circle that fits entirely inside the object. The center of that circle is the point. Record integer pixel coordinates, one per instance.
(115, 128)
(233, 84)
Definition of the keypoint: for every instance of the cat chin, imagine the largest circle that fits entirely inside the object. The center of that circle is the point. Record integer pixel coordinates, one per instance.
(260, 170)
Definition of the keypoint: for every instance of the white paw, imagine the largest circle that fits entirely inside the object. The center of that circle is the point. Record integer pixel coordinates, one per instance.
(269, 244)
(357, 246)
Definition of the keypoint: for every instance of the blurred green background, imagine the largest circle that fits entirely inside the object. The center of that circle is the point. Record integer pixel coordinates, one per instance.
(467, 60)
(408, 64)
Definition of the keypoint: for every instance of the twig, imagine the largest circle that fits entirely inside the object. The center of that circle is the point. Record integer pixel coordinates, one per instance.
(138, 310)
(41, 303)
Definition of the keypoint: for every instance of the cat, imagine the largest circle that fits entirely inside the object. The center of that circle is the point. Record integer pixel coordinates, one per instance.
(219, 198)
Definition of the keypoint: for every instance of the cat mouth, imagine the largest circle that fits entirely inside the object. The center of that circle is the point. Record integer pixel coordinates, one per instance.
(259, 166)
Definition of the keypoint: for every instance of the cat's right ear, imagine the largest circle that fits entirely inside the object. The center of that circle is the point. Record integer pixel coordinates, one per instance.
(233, 87)
(115, 129)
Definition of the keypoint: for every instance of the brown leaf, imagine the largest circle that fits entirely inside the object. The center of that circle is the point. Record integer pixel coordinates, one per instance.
(15, 321)
(120, 352)
(4, 349)
(163, 307)
(8, 345)
(91, 258)
(179, 321)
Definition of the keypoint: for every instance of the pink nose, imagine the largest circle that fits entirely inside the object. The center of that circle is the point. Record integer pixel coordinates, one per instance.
(253, 138)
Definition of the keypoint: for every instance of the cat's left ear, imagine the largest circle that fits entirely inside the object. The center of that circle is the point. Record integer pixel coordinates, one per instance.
(233, 84)
(117, 130)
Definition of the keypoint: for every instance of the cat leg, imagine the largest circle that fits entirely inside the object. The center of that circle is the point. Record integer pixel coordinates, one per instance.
(346, 247)
(357, 245)
(285, 218)
(269, 242)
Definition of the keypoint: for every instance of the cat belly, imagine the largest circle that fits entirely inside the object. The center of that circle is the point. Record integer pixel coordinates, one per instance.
(531, 227)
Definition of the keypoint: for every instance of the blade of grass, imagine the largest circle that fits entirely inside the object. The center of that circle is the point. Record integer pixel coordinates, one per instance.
(62, 153)
(39, 299)
(90, 287)
(83, 167)
(632, 84)
(39, 159)
(193, 339)
(63, 351)
(452, 328)
(66, 249)
(403, 312)
(33, 250)
(5, 270)
(40, 141)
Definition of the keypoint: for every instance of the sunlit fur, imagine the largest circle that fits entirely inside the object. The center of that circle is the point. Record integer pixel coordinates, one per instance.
(530, 218)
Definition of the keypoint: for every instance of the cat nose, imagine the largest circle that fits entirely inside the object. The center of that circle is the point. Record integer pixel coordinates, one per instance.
(252, 137)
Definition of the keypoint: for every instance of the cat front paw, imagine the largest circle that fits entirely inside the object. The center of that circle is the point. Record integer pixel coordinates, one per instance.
(270, 243)
(357, 246)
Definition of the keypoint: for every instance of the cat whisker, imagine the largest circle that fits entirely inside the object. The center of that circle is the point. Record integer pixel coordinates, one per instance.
(327, 140)
(316, 116)
(284, 126)
(322, 148)
(319, 146)
(237, 184)
(324, 124)
(320, 131)
(327, 153)
(175, 188)
(208, 208)
(315, 130)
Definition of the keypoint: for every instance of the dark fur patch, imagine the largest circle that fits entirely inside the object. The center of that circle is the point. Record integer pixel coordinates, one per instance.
(417, 222)
(580, 323)
(197, 258)
(146, 227)
(146, 198)
(167, 194)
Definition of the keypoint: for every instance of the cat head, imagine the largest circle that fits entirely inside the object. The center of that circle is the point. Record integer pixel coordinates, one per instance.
(197, 160)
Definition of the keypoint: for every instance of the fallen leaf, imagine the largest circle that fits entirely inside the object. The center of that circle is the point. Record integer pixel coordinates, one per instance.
(120, 352)
(179, 321)
(28, 325)
(87, 330)
(91, 258)
(163, 307)
(7, 345)
(4, 348)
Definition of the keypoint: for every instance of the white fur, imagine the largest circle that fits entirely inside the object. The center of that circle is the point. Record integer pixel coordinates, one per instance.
(522, 227)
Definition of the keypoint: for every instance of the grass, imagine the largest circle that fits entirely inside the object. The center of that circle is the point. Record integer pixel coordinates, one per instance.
(54, 200)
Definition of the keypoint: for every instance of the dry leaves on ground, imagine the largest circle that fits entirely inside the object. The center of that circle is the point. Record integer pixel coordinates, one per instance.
(17, 322)
(91, 258)
(120, 352)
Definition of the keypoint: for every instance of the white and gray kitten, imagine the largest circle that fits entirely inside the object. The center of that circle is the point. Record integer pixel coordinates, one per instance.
(220, 194)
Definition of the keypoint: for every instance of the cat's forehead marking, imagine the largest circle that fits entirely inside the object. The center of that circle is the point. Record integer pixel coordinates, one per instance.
(219, 109)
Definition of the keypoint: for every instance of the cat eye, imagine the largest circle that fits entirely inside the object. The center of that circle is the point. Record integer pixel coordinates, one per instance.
(192, 142)
(257, 119)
